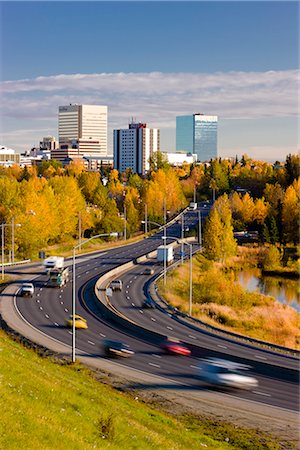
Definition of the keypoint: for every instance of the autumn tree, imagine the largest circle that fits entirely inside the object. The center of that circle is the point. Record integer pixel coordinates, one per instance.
(227, 242)
(212, 236)
(157, 161)
(290, 215)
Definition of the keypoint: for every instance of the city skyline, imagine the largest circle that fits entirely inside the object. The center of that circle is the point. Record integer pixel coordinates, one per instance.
(154, 61)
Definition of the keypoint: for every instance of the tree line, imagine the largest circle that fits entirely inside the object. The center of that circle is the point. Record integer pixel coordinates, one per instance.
(54, 204)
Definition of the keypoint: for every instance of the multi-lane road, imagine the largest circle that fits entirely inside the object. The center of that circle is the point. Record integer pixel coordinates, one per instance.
(47, 310)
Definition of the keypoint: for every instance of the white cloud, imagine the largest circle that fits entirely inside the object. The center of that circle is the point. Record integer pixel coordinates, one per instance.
(156, 98)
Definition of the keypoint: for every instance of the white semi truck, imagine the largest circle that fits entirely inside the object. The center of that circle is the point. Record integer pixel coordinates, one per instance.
(58, 277)
(165, 251)
(54, 262)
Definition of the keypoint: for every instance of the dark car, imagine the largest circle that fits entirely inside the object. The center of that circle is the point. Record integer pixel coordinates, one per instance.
(173, 346)
(148, 271)
(148, 303)
(116, 349)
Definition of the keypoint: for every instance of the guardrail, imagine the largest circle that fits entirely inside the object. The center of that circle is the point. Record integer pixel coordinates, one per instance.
(151, 292)
(25, 261)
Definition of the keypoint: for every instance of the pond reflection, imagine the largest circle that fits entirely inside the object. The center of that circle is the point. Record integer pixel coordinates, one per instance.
(284, 290)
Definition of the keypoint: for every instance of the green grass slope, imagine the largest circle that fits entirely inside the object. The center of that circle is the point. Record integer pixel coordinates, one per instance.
(45, 405)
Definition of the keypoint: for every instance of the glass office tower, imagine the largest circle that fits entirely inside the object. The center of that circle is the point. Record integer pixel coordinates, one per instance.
(197, 134)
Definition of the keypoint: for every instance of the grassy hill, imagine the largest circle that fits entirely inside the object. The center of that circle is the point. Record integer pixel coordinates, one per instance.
(47, 405)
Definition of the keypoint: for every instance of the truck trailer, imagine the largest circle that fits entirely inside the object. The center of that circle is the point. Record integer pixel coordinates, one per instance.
(165, 251)
(54, 262)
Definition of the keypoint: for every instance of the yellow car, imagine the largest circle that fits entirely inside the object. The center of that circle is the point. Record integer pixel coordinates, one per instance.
(80, 322)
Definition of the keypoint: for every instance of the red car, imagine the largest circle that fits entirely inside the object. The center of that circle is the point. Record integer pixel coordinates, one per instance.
(175, 347)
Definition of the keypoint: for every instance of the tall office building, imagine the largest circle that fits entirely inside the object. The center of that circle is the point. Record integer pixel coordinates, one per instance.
(134, 146)
(82, 131)
(197, 134)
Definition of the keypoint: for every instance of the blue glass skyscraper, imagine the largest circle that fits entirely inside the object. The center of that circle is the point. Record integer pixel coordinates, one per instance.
(198, 134)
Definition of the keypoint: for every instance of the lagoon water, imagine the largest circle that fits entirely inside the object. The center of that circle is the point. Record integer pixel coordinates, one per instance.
(284, 290)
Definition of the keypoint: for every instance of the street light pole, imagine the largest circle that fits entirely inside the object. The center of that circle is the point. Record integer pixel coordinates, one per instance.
(191, 280)
(182, 236)
(191, 272)
(200, 231)
(2, 253)
(74, 288)
(146, 217)
(125, 222)
(13, 239)
(165, 256)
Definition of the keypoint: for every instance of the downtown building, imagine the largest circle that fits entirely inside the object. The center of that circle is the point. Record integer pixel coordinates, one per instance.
(82, 131)
(133, 147)
(198, 134)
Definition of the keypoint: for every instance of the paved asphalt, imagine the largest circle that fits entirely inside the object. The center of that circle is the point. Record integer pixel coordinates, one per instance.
(277, 374)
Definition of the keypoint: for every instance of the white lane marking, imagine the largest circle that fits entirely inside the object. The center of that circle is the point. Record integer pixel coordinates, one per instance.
(59, 296)
(92, 343)
(135, 278)
(127, 287)
(222, 346)
(56, 324)
(191, 336)
(61, 290)
(96, 268)
(87, 271)
(70, 332)
(41, 289)
(156, 356)
(130, 281)
(170, 328)
(37, 295)
(152, 318)
(66, 310)
(194, 367)
(132, 304)
(103, 335)
(38, 301)
(41, 308)
(261, 393)
(154, 365)
(260, 357)
(78, 276)
(61, 303)
(141, 311)
(128, 298)
(126, 292)
(46, 315)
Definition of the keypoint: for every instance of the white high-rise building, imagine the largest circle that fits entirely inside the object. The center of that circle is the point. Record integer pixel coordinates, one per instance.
(82, 131)
(134, 146)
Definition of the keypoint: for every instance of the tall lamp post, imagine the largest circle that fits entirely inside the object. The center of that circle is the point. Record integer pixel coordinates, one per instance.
(191, 272)
(13, 224)
(74, 288)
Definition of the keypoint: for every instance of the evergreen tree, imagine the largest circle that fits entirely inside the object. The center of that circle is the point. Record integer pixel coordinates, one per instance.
(266, 234)
(274, 234)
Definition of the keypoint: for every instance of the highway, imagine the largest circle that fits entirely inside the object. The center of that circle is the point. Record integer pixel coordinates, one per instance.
(48, 309)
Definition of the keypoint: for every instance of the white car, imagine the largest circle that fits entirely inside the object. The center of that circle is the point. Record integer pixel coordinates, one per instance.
(27, 289)
(220, 372)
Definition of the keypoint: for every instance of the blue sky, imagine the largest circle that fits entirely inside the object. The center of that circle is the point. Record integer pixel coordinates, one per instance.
(153, 61)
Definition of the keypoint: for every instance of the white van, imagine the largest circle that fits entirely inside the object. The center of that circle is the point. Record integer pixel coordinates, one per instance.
(116, 285)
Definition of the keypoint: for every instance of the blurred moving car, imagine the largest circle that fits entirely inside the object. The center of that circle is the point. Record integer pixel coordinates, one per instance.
(148, 271)
(174, 346)
(80, 322)
(148, 303)
(27, 289)
(116, 348)
(116, 285)
(220, 372)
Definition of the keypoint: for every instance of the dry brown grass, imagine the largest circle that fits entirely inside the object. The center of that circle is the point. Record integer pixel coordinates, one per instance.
(221, 302)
